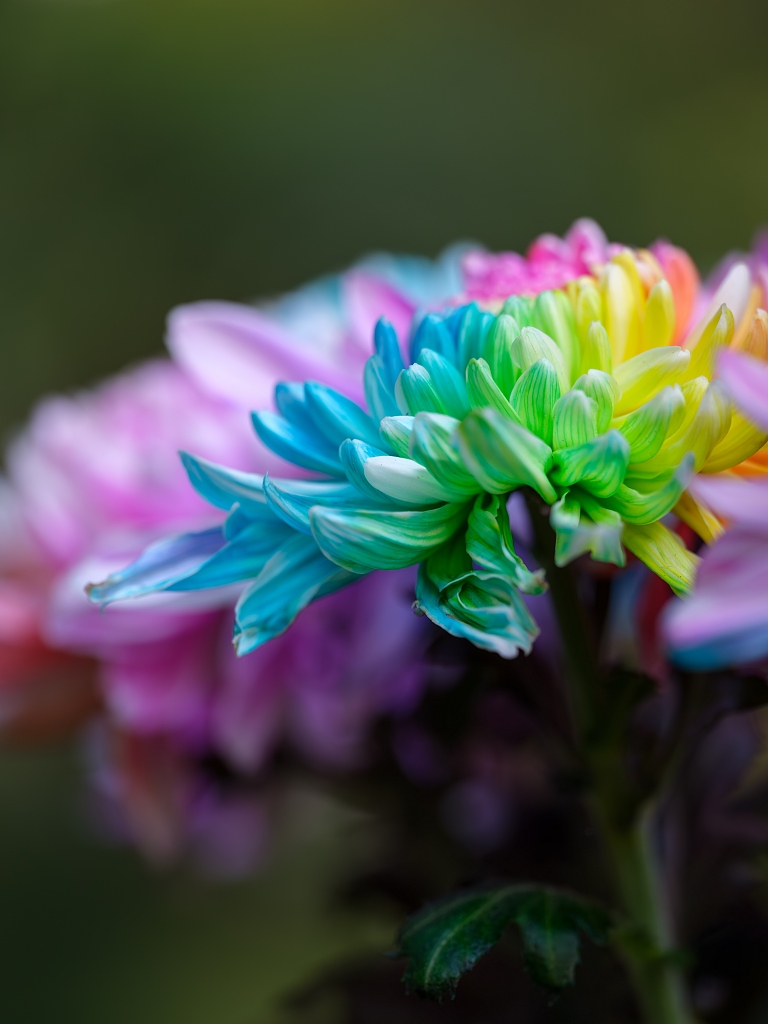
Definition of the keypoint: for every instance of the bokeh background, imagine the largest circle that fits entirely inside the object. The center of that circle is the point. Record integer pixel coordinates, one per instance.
(158, 151)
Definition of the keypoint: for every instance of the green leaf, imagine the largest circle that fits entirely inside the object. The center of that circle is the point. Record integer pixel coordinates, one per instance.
(447, 938)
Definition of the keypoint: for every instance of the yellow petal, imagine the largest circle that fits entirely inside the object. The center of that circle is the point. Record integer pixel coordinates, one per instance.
(664, 553)
(659, 321)
(644, 376)
(716, 334)
(701, 519)
(742, 441)
(621, 313)
(755, 342)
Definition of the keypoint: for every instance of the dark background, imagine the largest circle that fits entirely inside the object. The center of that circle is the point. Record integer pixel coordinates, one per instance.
(158, 151)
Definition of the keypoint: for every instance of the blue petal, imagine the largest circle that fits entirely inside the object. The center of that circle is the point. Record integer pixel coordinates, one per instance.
(296, 574)
(226, 488)
(291, 500)
(738, 647)
(388, 349)
(379, 396)
(241, 559)
(338, 417)
(470, 334)
(298, 446)
(159, 567)
(354, 455)
(291, 402)
(432, 333)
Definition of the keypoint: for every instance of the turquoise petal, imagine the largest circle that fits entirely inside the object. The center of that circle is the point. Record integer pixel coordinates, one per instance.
(471, 334)
(387, 348)
(291, 402)
(481, 607)
(296, 445)
(338, 417)
(364, 540)
(241, 559)
(225, 488)
(432, 333)
(161, 565)
(294, 576)
(291, 500)
(354, 455)
(447, 382)
(379, 396)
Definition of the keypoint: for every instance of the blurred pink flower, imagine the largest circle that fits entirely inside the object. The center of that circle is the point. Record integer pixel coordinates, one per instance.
(724, 621)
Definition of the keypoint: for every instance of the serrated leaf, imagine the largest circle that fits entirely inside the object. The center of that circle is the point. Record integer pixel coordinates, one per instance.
(448, 937)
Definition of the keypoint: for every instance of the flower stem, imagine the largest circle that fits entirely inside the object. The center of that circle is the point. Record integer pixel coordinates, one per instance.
(626, 832)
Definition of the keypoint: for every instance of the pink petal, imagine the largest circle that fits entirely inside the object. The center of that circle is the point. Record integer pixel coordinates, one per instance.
(746, 380)
(239, 353)
(740, 500)
(367, 298)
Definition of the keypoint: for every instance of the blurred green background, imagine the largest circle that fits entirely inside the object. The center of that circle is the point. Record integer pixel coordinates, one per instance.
(158, 151)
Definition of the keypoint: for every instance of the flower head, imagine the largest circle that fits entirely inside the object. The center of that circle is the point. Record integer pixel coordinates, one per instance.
(576, 393)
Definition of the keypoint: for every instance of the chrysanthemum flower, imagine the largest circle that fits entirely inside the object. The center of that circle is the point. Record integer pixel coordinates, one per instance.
(578, 393)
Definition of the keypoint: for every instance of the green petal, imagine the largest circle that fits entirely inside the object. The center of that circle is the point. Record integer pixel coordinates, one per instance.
(364, 540)
(519, 307)
(534, 397)
(642, 508)
(532, 345)
(647, 428)
(497, 351)
(599, 465)
(699, 434)
(489, 543)
(502, 456)
(553, 315)
(396, 431)
(481, 607)
(604, 391)
(434, 445)
(415, 391)
(578, 533)
(574, 420)
(664, 553)
(484, 391)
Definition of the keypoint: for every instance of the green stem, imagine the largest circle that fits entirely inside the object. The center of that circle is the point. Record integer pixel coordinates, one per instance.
(647, 940)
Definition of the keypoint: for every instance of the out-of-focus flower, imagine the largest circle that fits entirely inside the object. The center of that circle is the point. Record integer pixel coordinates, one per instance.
(96, 476)
(578, 394)
(725, 620)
